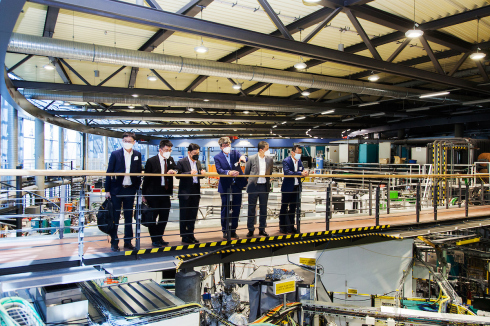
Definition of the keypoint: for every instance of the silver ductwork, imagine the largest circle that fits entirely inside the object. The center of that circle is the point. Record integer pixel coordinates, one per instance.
(49, 47)
(156, 101)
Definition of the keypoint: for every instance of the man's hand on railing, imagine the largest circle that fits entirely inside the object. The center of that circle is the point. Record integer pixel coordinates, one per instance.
(233, 173)
(193, 171)
(107, 195)
(304, 173)
(171, 172)
(203, 171)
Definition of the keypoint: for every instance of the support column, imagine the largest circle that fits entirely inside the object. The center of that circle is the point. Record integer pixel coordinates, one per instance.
(208, 158)
(61, 147)
(39, 153)
(147, 154)
(106, 152)
(458, 130)
(401, 133)
(84, 151)
(13, 138)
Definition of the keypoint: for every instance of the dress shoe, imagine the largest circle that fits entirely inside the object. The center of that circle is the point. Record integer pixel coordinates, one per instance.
(164, 243)
(250, 234)
(294, 231)
(263, 233)
(128, 245)
(235, 236)
(115, 248)
(194, 240)
(157, 244)
(187, 240)
(284, 231)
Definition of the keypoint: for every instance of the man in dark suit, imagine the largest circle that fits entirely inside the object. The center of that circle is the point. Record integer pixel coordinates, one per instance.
(228, 163)
(258, 188)
(123, 188)
(290, 188)
(158, 190)
(189, 192)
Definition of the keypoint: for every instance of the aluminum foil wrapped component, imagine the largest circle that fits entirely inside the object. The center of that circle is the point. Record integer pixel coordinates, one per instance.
(238, 319)
(281, 274)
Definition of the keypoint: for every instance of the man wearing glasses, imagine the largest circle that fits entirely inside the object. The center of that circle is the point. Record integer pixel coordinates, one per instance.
(122, 189)
(158, 190)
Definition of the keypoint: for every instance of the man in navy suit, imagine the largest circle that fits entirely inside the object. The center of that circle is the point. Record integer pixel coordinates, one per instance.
(290, 187)
(122, 189)
(228, 163)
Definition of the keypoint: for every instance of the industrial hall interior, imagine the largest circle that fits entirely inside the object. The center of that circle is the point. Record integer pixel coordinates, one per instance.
(245, 162)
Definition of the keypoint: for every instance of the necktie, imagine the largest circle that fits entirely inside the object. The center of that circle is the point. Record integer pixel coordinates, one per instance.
(166, 178)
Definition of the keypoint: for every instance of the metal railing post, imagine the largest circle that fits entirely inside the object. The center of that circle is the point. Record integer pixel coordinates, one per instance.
(370, 198)
(298, 208)
(81, 222)
(435, 197)
(139, 200)
(467, 200)
(328, 206)
(388, 197)
(229, 202)
(377, 205)
(447, 193)
(418, 205)
(18, 203)
(459, 193)
(62, 210)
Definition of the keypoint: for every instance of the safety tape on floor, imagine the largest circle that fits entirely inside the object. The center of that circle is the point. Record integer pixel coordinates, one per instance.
(285, 244)
(254, 240)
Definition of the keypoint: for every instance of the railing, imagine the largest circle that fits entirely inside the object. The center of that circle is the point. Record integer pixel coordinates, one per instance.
(314, 207)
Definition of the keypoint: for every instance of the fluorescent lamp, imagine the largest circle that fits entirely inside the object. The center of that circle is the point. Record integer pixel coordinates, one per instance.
(414, 33)
(476, 102)
(135, 95)
(284, 122)
(461, 112)
(368, 104)
(434, 94)
(152, 78)
(377, 114)
(425, 108)
(48, 67)
(246, 112)
(305, 93)
(130, 106)
(206, 100)
(316, 127)
(477, 55)
(373, 78)
(275, 126)
(348, 119)
(328, 123)
(300, 65)
(300, 118)
(201, 49)
(329, 111)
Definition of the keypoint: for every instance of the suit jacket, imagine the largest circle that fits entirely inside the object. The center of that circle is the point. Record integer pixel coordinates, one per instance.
(252, 168)
(288, 168)
(222, 167)
(153, 185)
(185, 186)
(117, 164)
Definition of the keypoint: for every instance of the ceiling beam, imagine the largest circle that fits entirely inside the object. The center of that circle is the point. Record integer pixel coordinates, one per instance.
(431, 55)
(201, 126)
(365, 38)
(74, 71)
(322, 25)
(50, 21)
(60, 70)
(483, 73)
(398, 50)
(162, 79)
(275, 19)
(110, 77)
(459, 63)
(20, 63)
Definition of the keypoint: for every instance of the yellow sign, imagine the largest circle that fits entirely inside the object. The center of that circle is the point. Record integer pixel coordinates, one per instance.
(285, 286)
(308, 261)
(463, 242)
(351, 291)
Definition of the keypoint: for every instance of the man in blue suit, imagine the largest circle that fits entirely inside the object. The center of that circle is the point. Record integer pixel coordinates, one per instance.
(122, 189)
(290, 187)
(228, 163)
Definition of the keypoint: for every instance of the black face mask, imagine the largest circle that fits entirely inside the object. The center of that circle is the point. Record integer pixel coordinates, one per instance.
(195, 157)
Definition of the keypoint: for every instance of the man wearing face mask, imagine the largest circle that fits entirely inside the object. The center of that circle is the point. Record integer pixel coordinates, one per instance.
(189, 192)
(158, 190)
(258, 187)
(228, 163)
(122, 189)
(290, 187)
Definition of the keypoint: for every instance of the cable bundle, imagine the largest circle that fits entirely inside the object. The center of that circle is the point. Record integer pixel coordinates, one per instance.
(15, 311)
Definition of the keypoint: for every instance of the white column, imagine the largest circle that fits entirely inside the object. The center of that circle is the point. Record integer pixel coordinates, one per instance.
(39, 153)
(61, 147)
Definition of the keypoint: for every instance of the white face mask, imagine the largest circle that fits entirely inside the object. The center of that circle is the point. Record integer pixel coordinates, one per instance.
(128, 146)
(267, 153)
(227, 150)
(297, 157)
(166, 155)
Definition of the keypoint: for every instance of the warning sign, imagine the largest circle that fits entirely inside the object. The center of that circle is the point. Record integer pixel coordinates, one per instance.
(351, 291)
(307, 261)
(285, 286)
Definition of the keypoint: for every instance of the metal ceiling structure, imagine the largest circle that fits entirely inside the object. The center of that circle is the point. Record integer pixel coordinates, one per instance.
(272, 36)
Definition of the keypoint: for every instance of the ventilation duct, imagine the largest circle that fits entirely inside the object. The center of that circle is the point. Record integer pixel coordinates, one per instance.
(49, 47)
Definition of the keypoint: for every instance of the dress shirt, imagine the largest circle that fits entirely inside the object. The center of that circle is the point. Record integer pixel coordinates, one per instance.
(127, 163)
(162, 165)
(193, 167)
(295, 170)
(228, 160)
(262, 164)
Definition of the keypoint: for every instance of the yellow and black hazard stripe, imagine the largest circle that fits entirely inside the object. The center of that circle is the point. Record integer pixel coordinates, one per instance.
(256, 240)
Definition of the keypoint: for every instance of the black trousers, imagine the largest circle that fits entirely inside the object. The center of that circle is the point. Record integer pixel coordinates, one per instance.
(262, 195)
(124, 198)
(161, 209)
(189, 207)
(288, 210)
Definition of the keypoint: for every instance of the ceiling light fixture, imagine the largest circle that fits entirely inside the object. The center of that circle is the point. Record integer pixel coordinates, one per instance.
(300, 118)
(300, 65)
(316, 127)
(348, 119)
(377, 114)
(135, 95)
(305, 93)
(48, 67)
(206, 100)
(373, 78)
(237, 86)
(328, 112)
(434, 94)
(274, 126)
(367, 104)
(66, 103)
(414, 33)
(425, 108)
(152, 78)
(201, 48)
(284, 122)
(477, 55)
(130, 106)
(312, 1)
(246, 112)
(190, 109)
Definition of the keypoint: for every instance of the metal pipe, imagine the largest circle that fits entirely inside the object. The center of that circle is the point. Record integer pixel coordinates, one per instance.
(13, 138)
(37, 45)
